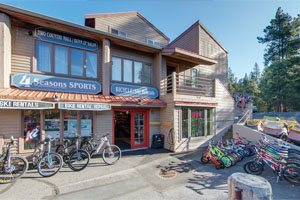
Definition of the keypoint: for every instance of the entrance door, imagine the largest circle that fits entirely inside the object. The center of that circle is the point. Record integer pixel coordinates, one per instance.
(139, 129)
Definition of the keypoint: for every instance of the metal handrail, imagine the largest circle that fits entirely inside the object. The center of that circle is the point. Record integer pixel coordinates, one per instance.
(246, 113)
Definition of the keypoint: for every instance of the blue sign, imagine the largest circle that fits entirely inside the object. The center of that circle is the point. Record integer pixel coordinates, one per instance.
(57, 37)
(134, 91)
(55, 84)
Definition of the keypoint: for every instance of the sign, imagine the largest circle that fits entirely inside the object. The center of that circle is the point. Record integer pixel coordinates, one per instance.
(55, 84)
(66, 39)
(16, 104)
(32, 134)
(84, 106)
(134, 91)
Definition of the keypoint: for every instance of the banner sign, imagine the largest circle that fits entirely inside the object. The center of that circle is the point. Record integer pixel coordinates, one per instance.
(55, 84)
(32, 134)
(66, 39)
(84, 106)
(134, 91)
(16, 104)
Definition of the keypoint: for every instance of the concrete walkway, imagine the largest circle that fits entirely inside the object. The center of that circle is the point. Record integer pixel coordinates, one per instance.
(136, 177)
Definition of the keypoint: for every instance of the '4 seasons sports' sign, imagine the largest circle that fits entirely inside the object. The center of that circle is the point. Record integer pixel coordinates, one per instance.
(55, 84)
(62, 38)
(17, 104)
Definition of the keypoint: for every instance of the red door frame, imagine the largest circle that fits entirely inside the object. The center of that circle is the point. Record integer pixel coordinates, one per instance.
(146, 124)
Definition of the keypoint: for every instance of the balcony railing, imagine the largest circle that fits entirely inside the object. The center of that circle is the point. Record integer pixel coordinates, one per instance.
(188, 85)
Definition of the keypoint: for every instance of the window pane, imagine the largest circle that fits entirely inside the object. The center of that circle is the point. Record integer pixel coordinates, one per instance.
(209, 121)
(70, 123)
(114, 31)
(31, 129)
(197, 122)
(157, 44)
(52, 123)
(150, 42)
(43, 57)
(91, 65)
(185, 122)
(138, 72)
(61, 60)
(147, 74)
(122, 34)
(127, 76)
(86, 123)
(116, 69)
(76, 62)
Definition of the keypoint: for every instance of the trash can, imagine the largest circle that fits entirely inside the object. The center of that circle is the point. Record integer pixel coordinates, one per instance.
(157, 141)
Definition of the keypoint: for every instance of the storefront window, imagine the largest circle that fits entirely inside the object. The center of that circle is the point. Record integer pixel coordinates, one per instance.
(185, 123)
(76, 62)
(196, 122)
(31, 128)
(70, 123)
(43, 55)
(127, 76)
(116, 69)
(147, 74)
(139, 128)
(138, 72)
(52, 123)
(61, 60)
(86, 123)
(91, 65)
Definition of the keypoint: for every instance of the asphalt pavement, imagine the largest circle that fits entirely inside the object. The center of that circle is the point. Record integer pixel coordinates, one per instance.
(147, 174)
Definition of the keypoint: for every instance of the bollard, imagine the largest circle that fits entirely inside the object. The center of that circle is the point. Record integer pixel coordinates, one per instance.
(242, 186)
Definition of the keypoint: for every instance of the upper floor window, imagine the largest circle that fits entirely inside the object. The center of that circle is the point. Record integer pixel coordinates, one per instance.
(119, 33)
(129, 71)
(58, 59)
(151, 42)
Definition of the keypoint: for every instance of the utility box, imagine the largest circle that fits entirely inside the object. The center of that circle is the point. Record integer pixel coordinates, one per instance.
(157, 141)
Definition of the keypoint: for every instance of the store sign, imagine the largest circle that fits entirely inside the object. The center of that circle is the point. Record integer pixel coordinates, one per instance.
(84, 106)
(18, 104)
(134, 91)
(55, 84)
(66, 39)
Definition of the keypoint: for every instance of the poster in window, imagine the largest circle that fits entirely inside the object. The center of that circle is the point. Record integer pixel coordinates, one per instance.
(86, 127)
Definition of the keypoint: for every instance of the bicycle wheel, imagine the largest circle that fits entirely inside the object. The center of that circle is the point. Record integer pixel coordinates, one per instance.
(18, 167)
(111, 154)
(227, 162)
(204, 160)
(50, 164)
(253, 167)
(78, 160)
(232, 159)
(87, 146)
(291, 174)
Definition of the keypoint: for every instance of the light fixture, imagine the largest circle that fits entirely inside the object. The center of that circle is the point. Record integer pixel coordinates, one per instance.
(55, 97)
(139, 101)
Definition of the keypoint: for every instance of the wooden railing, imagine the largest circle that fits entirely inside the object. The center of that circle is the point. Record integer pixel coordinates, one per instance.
(188, 85)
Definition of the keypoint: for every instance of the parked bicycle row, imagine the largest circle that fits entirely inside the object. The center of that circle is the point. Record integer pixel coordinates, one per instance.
(283, 160)
(228, 154)
(75, 153)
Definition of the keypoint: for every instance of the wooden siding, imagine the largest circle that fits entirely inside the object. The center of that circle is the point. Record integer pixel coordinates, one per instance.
(103, 124)
(189, 41)
(166, 118)
(133, 25)
(22, 50)
(154, 116)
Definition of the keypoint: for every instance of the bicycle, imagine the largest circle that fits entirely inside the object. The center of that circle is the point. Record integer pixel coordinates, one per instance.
(47, 163)
(210, 155)
(110, 154)
(77, 159)
(12, 167)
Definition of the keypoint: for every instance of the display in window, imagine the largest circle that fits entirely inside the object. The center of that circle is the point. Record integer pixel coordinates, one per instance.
(86, 123)
(70, 122)
(52, 123)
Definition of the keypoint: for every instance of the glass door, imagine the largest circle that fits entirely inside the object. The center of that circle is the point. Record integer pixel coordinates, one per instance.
(139, 130)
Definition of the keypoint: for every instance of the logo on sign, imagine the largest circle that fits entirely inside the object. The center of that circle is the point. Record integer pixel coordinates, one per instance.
(134, 91)
(56, 84)
(32, 134)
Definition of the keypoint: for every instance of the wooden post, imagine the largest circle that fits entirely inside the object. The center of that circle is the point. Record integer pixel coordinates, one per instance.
(106, 67)
(78, 123)
(174, 84)
(42, 127)
(62, 126)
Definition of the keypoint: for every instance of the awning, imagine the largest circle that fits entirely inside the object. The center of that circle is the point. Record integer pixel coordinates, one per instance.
(182, 54)
(18, 94)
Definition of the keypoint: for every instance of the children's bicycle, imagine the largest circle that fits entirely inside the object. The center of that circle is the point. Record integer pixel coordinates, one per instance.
(12, 167)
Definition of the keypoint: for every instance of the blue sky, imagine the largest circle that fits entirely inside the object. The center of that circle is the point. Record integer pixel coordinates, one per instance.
(235, 23)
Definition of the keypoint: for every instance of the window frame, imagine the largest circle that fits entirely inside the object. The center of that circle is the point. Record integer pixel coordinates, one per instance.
(122, 72)
(52, 67)
(154, 43)
(119, 32)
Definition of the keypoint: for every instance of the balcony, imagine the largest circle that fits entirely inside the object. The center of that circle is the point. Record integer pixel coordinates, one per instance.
(187, 88)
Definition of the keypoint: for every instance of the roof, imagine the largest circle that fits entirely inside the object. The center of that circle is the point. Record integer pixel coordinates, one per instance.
(43, 20)
(190, 56)
(205, 29)
(18, 94)
(129, 13)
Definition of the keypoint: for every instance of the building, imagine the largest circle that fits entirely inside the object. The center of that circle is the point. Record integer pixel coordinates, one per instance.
(117, 74)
